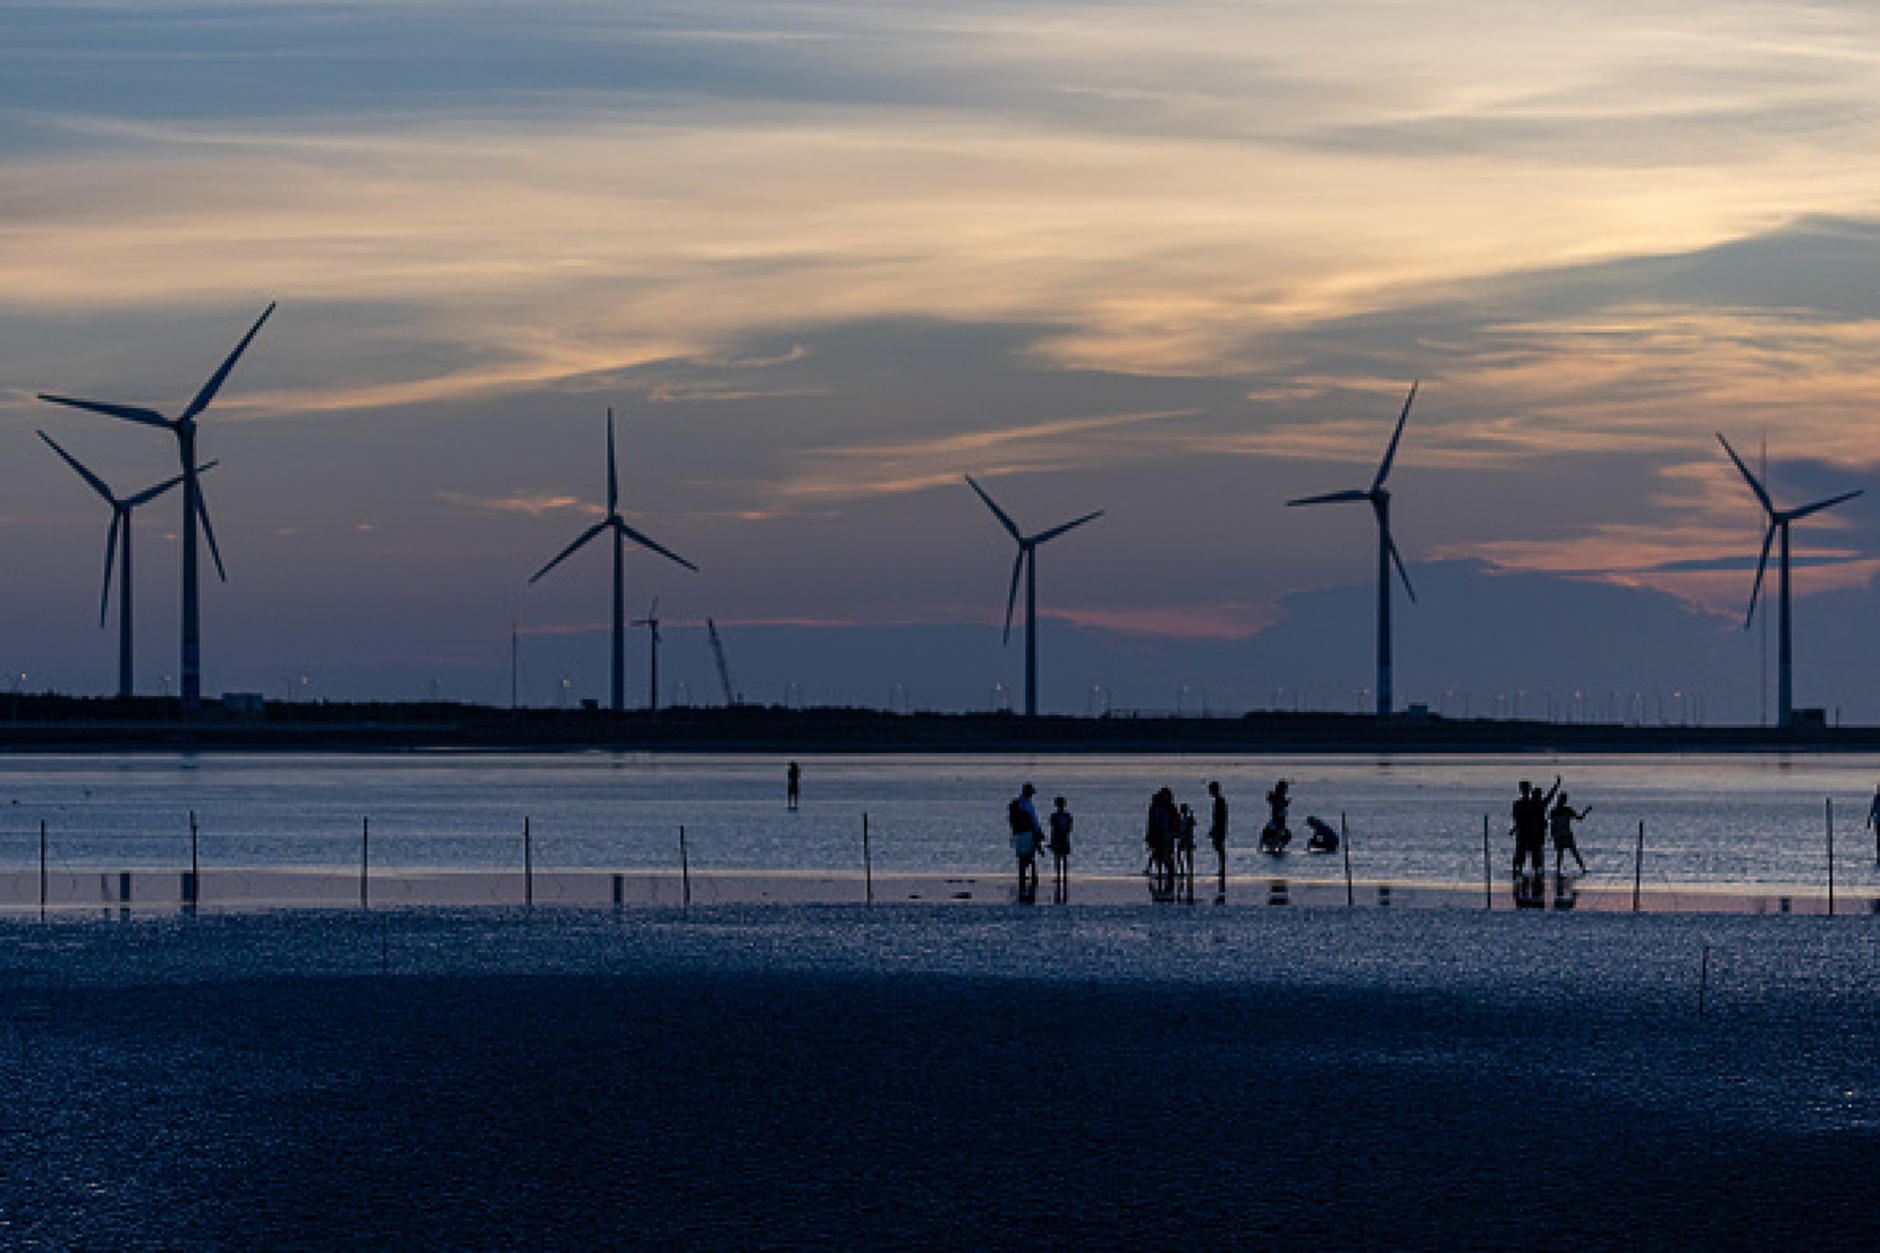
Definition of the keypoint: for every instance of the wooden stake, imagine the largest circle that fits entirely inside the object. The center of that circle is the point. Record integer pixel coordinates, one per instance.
(365, 858)
(1703, 981)
(528, 865)
(195, 868)
(42, 867)
(685, 869)
(868, 863)
(1344, 842)
(1638, 866)
(1488, 869)
(1831, 857)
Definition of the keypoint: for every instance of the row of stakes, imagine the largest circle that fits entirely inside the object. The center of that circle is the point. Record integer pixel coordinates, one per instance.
(192, 884)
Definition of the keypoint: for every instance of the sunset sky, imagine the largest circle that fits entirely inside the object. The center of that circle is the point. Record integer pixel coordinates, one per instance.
(1180, 262)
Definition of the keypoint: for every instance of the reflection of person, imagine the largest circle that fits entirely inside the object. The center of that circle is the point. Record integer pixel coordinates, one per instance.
(1560, 826)
(1026, 837)
(1217, 831)
(793, 785)
(1061, 847)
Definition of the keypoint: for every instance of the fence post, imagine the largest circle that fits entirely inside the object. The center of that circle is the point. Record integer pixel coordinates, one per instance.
(868, 863)
(195, 869)
(1344, 842)
(1831, 857)
(365, 858)
(42, 867)
(685, 870)
(1488, 869)
(528, 864)
(1638, 866)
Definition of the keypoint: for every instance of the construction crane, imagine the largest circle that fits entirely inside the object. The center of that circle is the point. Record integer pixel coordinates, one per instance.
(724, 671)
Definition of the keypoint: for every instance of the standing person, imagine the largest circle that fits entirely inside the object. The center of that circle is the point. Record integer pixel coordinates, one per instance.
(1160, 837)
(793, 785)
(1026, 836)
(1277, 835)
(1217, 831)
(1061, 849)
(1873, 810)
(1185, 849)
(1530, 825)
(1560, 826)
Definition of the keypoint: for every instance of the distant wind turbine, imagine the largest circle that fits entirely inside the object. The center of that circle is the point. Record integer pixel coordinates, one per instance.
(183, 426)
(1027, 564)
(651, 623)
(120, 522)
(622, 532)
(1379, 499)
(1779, 520)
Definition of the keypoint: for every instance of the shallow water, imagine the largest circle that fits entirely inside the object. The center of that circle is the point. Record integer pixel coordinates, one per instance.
(1708, 820)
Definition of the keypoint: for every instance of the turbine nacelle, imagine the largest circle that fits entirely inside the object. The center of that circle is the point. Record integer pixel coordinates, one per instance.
(1779, 520)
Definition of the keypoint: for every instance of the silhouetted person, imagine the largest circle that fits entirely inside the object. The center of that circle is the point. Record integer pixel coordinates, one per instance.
(1217, 831)
(1163, 826)
(793, 785)
(1277, 834)
(1185, 849)
(1530, 825)
(1061, 848)
(1026, 837)
(1323, 839)
(1873, 810)
(1560, 826)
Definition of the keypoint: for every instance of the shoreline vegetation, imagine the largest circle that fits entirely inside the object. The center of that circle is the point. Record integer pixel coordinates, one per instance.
(55, 723)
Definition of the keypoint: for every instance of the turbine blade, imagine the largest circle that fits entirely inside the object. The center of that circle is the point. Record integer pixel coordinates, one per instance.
(215, 382)
(130, 413)
(1056, 531)
(1010, 526)
(151, 493)
(1390, 454)
(613, 478)
(202, 511)
(1332, 498)
(1754, 486)
(644, 542)
(1390, 546)
(652, 612)
(1762, 563)
(1011, 601)
(118, 517)
(97, 484)
(1819, 505)
(583, 538)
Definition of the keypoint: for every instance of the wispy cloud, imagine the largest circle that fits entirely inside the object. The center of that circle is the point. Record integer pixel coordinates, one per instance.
(534, 506)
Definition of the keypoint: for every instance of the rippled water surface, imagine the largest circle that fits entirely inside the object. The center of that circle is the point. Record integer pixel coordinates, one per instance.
(1707, 819)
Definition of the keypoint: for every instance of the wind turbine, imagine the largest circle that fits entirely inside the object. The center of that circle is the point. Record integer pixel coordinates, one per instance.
(183, 426)
(1379, 499)
(120, 521)
(1779, 520)
(622, 532)
(651, 623)
(1027, 564)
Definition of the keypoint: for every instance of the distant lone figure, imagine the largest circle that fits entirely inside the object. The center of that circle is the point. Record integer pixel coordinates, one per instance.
(793, 785)
(1026, 837)
(1061, 848)
(1323, 839)
(1560, 826)
(1217, 832)
(1873, 810)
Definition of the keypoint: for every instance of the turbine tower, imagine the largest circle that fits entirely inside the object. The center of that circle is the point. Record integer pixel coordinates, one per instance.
(120, 522)
(1027, 564)
(183, 426)
(1379, 499)
(651, 623)
(622, 533)
(1779, 520)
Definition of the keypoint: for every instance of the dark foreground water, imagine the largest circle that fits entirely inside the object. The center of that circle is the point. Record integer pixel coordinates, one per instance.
(915, 1076)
